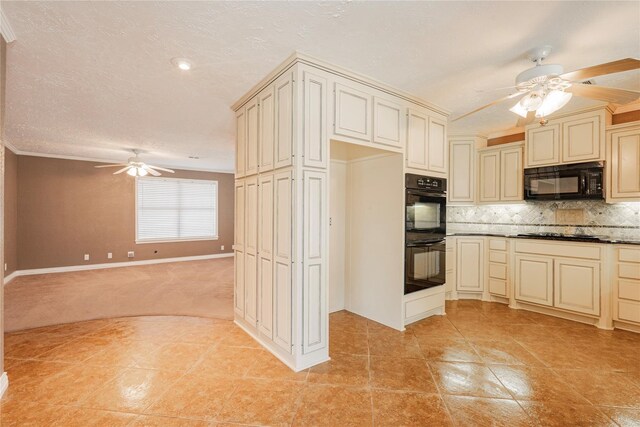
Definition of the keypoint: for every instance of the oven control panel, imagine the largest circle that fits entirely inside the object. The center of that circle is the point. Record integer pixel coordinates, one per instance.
(428, 183)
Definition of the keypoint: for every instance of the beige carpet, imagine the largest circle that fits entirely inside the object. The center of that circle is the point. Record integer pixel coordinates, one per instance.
(194, 288)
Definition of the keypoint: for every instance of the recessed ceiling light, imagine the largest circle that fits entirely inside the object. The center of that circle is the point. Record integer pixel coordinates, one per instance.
(182, 63)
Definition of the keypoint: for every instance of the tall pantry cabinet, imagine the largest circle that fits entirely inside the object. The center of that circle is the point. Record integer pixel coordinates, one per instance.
(280, 181)
(284, 126)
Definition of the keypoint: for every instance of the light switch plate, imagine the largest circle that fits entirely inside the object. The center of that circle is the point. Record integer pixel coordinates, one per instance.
(86, 257)
(109, 255)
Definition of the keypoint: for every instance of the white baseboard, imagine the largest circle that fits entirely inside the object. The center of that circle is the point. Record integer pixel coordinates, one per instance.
(4, 383)
(110, 265)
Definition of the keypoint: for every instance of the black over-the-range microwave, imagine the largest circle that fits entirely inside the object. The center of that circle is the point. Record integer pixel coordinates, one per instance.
(565, 182)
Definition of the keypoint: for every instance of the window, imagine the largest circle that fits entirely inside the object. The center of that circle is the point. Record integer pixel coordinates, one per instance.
(169, 209)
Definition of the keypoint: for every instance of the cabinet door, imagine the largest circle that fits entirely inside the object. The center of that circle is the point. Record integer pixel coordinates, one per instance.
(470, 265)
(251, 251)
(511, 173)
(352, 113)
(534, 279)
(241, 142)
(267, 128)
(265, 255)
(543, 146)
(624, 164)
(253, 121)
(315, 121)
(577, 285)
(581, 140)
(489, 178)
(437, 146)
(417, 140)
(462, 168)
(314, 285)
(283, 87)
(238, 294)
(389, 123)
(282, 245)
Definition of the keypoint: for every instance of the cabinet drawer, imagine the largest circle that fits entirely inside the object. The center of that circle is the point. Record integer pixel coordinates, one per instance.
(587, 251)
(500, 257)
(629, 255)
(629, 289)
(498, 244)
(629, 311)
(498, 287)
(629, 271)
(423, 305)
(498, 271)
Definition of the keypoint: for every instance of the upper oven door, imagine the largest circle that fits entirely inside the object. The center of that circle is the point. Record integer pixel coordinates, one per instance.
(561, 184)
(425, 213)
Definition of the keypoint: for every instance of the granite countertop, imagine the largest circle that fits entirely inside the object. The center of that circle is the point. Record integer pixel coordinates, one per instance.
(554, 236)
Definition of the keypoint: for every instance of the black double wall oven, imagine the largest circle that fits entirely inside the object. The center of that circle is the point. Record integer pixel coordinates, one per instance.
(425, 232)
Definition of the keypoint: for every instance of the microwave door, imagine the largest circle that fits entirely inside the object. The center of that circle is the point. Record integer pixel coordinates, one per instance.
(558, 185)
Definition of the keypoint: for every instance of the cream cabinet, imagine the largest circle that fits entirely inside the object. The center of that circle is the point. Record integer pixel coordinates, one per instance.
(283, 116)
(462, 170)
(352, 112)
(470, 264)
(241, 142)
(389, 123)
(623, 166)
(534, 279)
(426, 142)
(573, 138)
(282, 260)
(252, 137)
(500, 174)
(560, 275)
(498, 267)
(251, 251)
(543, 146)
(265, 255)
(626, 287)
(315, 149)
(266, 134)
(238, 246)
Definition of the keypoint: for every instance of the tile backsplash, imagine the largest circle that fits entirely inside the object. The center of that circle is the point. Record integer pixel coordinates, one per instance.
(597, 217)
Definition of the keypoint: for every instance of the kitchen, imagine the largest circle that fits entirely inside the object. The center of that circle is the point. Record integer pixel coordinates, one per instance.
(543, 220)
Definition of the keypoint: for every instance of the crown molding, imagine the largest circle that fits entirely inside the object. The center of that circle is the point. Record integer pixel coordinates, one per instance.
(11, 147)
(628, 107)
(5, 28)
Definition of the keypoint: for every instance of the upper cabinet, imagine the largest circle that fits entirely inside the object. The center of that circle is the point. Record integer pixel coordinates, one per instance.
(462, 169)
(283, 117)
(426, 142)
(500, 174)
(623, 167)
(267, 129)
(252, 133)
(241, 141)
(352, 112)
(574, 138)
(389, 123)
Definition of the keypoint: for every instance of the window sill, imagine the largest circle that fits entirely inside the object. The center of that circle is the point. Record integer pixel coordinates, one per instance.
(204, 239)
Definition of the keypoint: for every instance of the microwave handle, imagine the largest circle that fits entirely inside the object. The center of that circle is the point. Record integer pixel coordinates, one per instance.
(585, 189)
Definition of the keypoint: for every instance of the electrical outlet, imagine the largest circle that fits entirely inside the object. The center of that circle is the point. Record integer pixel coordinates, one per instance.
(5, 266)
(86, 257)
(109, 255)
(130, 254)
(222, 248)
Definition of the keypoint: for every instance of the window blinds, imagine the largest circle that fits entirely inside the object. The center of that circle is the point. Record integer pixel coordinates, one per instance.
(176, 209)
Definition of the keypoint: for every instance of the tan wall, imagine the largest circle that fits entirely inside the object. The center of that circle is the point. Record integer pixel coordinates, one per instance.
(10, 211)
(3, 68)
(68, 208)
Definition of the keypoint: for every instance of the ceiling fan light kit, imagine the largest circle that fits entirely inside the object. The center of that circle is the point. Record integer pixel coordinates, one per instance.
(546, 88)
(136, 167)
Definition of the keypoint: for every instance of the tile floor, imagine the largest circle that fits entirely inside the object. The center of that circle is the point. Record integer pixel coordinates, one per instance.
(482, 364)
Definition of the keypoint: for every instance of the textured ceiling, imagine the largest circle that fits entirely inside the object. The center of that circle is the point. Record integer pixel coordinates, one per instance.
(93, 79)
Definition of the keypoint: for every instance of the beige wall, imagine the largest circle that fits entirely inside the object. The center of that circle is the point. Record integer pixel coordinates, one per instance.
(10, 211)
(68, 208)
(3, 68)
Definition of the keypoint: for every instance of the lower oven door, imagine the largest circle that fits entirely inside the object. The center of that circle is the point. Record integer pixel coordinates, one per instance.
(424, 266)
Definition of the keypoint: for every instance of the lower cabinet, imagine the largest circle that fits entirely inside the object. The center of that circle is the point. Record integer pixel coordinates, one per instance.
(470, 264)
(534, 279)
(626, 288)
(577, 285)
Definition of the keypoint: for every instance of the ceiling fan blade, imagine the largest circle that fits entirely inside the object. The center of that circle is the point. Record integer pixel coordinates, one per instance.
(602, 69)
(523, 121)
(159, 168)
(121, 170)
(491, 104)
(111, 166)
(151, 171)
(602, 93)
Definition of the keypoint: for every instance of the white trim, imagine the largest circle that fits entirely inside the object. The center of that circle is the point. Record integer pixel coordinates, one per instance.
(4, 383)
(627, 107)
(7, 33)
(195, 239)
(11, 147)
(112, 265)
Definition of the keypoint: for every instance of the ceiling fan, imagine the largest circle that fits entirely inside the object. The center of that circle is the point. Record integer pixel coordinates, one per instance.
(136, 167)
(546, 88)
